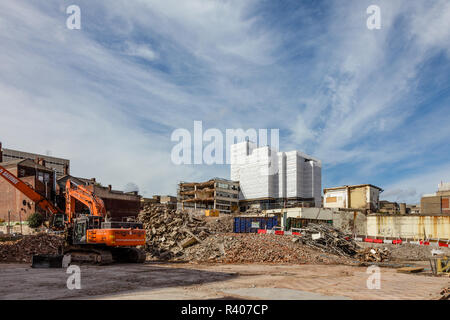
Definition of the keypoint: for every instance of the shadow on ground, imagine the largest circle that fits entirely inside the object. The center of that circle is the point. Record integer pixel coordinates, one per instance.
(19, 281)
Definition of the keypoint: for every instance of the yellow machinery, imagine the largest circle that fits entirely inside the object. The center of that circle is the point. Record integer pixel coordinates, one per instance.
(212, 213)
(440, 265)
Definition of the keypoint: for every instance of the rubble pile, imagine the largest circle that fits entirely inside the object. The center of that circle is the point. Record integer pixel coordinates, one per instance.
(374, 255)
(179, 235)
(169, 232)
(412, 252)
(408, 251)
(256, 248)
(253, 212)
(222, 224)
(326, 238)
(445, 293)
(23, 249)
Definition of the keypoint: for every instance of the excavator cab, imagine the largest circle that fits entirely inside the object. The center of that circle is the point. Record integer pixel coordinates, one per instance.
(80, 227)
(82, 224)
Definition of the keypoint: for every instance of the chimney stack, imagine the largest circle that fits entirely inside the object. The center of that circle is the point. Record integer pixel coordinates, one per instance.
(109, 187)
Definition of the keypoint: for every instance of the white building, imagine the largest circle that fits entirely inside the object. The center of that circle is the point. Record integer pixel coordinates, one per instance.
(265, 174)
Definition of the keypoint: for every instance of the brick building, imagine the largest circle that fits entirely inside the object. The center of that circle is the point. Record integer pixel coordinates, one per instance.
(437, 203)
(39, 177)
(60, 165)
(118, 204)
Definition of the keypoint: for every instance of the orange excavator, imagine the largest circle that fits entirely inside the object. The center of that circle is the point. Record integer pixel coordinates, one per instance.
(91, 236)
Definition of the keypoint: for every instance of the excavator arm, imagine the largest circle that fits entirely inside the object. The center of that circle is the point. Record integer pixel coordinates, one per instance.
(28, 191)
(85, 196)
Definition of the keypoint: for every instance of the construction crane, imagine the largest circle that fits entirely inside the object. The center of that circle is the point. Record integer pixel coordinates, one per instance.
(90, 237)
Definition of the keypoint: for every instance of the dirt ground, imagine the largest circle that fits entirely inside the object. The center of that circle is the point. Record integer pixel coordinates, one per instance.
(218, 281)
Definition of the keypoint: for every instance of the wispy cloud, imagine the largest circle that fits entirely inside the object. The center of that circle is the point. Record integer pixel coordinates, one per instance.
(371, 104)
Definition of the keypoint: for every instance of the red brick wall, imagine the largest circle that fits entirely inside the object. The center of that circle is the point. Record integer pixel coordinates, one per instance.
(12, 200)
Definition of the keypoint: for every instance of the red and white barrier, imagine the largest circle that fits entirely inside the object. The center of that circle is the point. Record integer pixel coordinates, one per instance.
(438, 243)
(279, 232)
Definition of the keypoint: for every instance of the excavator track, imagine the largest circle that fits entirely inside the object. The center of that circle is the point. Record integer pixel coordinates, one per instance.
(140, 255)
(90, 255)
(130, 255)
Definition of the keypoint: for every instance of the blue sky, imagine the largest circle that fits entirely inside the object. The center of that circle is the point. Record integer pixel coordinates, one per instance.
(373, 105)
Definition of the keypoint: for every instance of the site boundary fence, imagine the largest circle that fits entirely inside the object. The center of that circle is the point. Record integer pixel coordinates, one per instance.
(437, 242)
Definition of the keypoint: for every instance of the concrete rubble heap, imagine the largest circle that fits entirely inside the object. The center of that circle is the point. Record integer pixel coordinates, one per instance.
(178, 235)
(445, 293)
(253, 211)
(374, 254)
(256, 248)
(23, 249)
(412, 252)
(222, 224)
(326, 238)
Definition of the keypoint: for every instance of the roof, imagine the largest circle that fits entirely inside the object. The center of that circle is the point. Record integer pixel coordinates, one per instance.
(34, 155)
(62, 181)
(353, 186)
(210, 181)
(25, 163)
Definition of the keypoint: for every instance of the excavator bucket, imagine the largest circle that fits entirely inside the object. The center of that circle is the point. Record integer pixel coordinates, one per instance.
(47, 261)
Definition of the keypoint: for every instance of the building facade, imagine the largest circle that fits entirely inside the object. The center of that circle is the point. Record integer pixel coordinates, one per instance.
(119, 205)
(275, 177)
(14, 205)
(437, 203)
(364, 197)
(62, 166)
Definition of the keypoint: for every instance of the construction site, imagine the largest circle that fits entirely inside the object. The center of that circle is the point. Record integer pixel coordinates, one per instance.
(253, 236)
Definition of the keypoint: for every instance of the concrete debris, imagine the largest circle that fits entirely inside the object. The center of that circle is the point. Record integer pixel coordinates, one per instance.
(445, 293)
(256, 248)
(178, 235)
(413, 252)
(169, 231)
(23, 249)
(374, 254)
(326, 238)
(436, 252)
(253, 212)
(222, 224)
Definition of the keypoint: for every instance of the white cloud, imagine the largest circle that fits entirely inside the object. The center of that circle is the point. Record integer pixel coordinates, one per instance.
(361, 90)
(412, 188)
(112, 116)
(141, 51)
